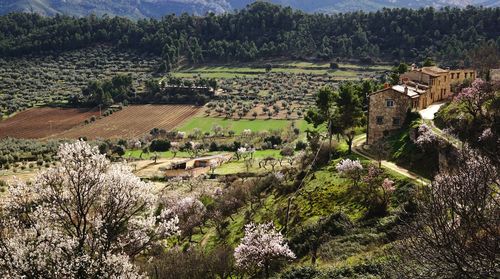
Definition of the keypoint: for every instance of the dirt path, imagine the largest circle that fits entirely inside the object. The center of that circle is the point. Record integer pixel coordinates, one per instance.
(357, 147)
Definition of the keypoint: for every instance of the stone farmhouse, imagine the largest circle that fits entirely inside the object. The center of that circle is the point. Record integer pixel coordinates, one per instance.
(418, 88)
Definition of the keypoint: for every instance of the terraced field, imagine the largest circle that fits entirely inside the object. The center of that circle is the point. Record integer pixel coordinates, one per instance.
(43, 122)
(133, 122)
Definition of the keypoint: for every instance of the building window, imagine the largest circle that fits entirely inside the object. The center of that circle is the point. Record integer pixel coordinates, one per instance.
(465, 75)
(444, 78)
(389, 103)
(452, 75)
(380, 120)
(472, 75)
(396, 121)
(458, 75)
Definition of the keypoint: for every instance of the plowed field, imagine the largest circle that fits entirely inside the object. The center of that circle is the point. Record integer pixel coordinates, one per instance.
(43, 122)
(133, 121)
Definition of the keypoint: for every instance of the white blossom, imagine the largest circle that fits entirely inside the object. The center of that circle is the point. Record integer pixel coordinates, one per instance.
(486, 134)
(260, 245)
(346, 166)
(241, 150)
(191, 213)
(137, 144)
(83, 218)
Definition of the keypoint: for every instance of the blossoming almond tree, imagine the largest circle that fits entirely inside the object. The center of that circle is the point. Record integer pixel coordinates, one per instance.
(425, 136)
(191, 213)
(84, 218)
(474, 97)
(455, 233)
(261, 246)
(351, 169)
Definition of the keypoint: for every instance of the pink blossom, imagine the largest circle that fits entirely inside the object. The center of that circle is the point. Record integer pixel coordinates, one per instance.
(473, 92)
(425, 135)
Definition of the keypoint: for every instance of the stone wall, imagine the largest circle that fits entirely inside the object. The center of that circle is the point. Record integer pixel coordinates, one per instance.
(378, 107)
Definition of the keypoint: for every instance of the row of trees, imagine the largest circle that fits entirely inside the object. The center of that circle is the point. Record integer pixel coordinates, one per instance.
(119, 89)
(263, 30)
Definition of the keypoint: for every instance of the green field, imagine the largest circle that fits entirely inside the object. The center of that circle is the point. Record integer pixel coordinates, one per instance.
(205, 124)
(345, 71)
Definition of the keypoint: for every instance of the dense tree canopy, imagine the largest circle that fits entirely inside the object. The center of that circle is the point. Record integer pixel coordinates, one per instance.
(264, 30)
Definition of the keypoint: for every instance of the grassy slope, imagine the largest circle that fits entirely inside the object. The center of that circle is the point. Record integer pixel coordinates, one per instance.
(328, 193)
(408, 155)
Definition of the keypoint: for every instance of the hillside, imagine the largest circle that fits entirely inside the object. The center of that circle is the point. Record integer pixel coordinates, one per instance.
(264, 30)
(159, 8)
(126, 8)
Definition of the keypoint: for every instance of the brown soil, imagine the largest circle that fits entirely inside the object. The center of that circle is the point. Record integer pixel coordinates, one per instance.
(133, 122)
(43, 122)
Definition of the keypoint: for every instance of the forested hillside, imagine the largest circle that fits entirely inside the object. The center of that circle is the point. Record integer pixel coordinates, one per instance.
(263, 30)
(158, 8)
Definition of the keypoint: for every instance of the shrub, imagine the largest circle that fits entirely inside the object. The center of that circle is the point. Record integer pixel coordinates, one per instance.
(334, 65)
(213, 147)
(160, 145)
(300, 145)
(273, 140)
(303, 272)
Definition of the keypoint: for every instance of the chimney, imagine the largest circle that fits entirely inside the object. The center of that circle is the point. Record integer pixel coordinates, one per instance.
(406, 90)
(386, 85)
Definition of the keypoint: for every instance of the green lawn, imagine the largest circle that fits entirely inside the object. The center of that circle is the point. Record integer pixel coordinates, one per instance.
(206, 124)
